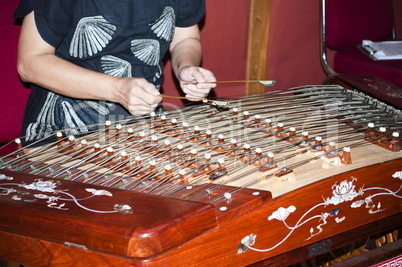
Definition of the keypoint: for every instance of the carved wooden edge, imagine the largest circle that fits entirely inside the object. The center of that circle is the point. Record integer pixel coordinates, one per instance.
(139, 240)
(35, 252)
(218, 241)
(257, 51)
(38, 252)
(114, 232)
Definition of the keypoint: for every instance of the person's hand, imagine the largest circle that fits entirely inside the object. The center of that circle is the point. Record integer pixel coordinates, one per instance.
(204, 79)
(137, 95)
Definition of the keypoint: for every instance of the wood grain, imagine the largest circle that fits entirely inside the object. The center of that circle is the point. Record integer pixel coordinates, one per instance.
(218, 246)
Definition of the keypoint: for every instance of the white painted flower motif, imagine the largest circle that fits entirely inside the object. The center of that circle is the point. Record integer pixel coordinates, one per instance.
(357, 204)
(99, 192)
(249, 240)
(246, 242)
(55, 206)
(339, 220)
(53, 199)
(371, 206)
(368, 200)
(398, 175)
(15, 197)
(6, 191)
(43, 186)
(345, 191)
(281, 214)
(41, 196)
(123, 208)
(5, 177)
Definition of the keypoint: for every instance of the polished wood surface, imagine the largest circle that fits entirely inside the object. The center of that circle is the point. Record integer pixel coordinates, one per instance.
(155, 225)
(374, 86)
(218, 245)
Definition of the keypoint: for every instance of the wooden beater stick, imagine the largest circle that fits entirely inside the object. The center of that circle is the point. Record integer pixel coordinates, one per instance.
(265, 83)
(213, 102)
(182, 97)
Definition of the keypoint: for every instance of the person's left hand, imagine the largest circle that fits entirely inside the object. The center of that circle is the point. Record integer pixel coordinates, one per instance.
(204, 78)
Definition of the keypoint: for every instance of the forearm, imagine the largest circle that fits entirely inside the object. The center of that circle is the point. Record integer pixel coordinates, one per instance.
(186, 53)
(37, 63)
(186, 59)
(65, 78)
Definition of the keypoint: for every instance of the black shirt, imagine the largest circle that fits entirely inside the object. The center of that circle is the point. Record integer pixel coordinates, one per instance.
(122, 38)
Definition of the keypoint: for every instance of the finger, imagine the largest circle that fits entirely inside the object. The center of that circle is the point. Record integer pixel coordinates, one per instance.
(141, 109)
(153, 100)
(187, 88)
(148, 91)
(149, 96)
(209, 77)
(140, 104)
(197, 90)
(199, 77)
(195, 97)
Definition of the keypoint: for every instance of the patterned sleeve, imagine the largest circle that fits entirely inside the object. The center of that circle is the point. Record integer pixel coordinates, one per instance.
(190, 13)
(53, 18)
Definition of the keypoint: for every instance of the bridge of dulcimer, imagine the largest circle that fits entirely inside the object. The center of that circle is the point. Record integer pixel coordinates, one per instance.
(226, 159)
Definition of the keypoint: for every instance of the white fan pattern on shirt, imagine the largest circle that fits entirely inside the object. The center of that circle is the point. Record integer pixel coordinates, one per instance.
(91, 36)
(115, 66)
(47, 118)
(164, 26)
(146, 50)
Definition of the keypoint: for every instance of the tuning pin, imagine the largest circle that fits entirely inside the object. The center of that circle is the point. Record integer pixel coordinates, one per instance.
(110, 151)
(138, 160)
(168, 170)
(152, 165)
(123, 156)
(71, 139)
(59, 136)
(279, 130)
(208, 134)
(346, 158)
(96, 147)
(18, 143)
(182, 177)
(84, 143)
(395, 143)
(107, 126)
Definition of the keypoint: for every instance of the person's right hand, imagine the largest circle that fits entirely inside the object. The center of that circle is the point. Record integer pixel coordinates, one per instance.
(137, 95)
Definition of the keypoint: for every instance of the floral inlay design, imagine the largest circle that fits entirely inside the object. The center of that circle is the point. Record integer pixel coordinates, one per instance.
(55, 198)
(5, 177)
(344, 191)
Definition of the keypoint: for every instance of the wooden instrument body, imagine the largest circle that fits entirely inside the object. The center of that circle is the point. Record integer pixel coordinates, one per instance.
(28, 235)
(47, 221)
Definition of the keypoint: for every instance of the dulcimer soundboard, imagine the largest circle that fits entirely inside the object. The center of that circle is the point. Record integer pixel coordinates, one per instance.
(266, 180)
